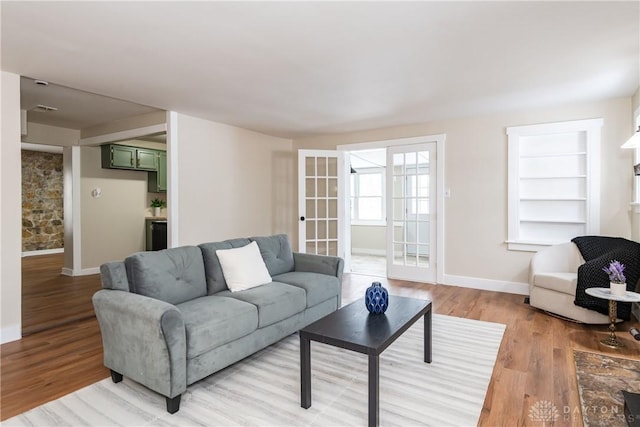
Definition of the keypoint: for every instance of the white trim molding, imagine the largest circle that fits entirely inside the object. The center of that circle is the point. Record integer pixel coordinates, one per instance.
(517, 288)
(81, 272)
(10, 333)
(43, 252)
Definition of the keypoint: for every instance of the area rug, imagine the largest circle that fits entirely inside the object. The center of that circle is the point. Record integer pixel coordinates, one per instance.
(600, 379)
(264, 389)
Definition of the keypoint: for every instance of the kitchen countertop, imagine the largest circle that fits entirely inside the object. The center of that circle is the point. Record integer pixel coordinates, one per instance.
(156, 218)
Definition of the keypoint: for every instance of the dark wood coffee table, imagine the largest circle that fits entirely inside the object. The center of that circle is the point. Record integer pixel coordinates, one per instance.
(353, 328)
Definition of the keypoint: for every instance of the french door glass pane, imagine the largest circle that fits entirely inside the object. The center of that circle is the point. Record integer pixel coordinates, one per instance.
(332, 187)
(310, 187)
(310, 166)
(311, 208)
(333, 208)
(322, 166)
(332, 166)
(333, 248)
(322, 187)
(321, 212)
(311, 229)
(322, 229)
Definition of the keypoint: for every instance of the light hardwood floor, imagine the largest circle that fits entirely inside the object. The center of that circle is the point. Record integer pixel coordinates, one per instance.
(535, 361)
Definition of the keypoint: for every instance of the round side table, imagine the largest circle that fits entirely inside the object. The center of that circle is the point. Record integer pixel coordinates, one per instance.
(605, 293)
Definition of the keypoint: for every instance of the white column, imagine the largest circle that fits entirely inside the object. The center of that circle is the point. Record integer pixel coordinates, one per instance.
(10, 209)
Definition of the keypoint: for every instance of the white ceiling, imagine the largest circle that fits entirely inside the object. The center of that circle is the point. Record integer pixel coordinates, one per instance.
(75, 109)
(304, 68)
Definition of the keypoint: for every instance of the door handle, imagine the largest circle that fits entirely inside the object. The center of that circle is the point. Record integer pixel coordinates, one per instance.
(301, 218)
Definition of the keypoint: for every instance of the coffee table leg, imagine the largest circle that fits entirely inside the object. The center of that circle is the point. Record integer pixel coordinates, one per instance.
(374, 390)
(305, 373)
(427, 337)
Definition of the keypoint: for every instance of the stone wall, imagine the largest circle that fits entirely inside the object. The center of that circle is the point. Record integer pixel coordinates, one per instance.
(42, 209)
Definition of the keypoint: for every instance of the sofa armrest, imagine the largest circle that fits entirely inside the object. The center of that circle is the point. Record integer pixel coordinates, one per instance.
(323, 264)
(560, 258)
(143, 339)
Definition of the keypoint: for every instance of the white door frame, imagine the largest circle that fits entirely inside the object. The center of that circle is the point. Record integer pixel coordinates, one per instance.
(440, 188)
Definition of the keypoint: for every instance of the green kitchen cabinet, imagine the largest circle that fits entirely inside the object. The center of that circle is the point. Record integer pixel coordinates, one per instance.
(146, 159)
(118, 157)
(157, 182)
(125, 157)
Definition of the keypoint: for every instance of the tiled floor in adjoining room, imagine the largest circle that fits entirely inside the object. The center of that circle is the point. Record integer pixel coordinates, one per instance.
(371, 265)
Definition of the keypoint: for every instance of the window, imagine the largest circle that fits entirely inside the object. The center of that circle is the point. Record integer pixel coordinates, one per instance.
(367, 196)
(554, 183)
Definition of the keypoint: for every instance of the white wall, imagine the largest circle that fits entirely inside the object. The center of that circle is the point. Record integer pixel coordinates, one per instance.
(232, 182)
(369, 239)
(10, 209)
(51, 135)
(112, 226)
(476, 173)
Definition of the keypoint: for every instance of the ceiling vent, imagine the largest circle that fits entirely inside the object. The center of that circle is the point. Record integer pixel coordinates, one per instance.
(44, 108)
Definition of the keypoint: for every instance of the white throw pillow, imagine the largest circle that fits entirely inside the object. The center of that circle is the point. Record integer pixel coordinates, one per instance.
(243, 268)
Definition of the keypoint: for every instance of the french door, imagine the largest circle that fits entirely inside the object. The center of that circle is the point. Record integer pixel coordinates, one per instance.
(411, 212)
(320, 202)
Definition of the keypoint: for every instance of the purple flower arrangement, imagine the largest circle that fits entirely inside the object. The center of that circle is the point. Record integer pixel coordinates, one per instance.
(615, 272)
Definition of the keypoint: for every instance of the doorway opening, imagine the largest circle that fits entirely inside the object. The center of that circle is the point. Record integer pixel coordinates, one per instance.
(368, 220)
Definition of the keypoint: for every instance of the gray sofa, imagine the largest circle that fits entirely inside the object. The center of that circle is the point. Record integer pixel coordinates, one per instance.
(168, 320)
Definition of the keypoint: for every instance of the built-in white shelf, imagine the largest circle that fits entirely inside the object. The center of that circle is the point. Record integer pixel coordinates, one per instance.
(554, 181)
(553, 199)
(554, 177)
(548, 155)
(554, 221)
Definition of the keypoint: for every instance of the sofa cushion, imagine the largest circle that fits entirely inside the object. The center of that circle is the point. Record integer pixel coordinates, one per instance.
(275, 301)
(172, 275)
(559, 282)
(212, 321)
(243, 268)
(276, 252)
(318, 287)
(213, 271)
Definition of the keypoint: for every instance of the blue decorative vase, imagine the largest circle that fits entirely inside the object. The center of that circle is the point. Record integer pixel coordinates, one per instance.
(376, 298)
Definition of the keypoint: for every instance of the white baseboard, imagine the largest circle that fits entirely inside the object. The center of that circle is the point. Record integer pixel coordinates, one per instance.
(487, 284)
(367, 251)
(43, 252)
(10, 333)
(83, 272)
